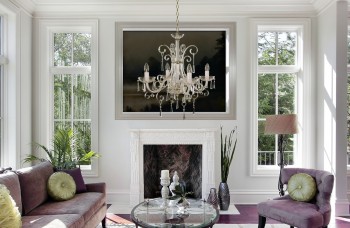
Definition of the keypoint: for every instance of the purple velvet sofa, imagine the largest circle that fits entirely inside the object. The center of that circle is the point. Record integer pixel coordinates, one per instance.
(313, 214)
(27, 186)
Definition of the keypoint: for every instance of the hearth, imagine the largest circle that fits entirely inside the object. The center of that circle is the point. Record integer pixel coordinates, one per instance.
(205, 138)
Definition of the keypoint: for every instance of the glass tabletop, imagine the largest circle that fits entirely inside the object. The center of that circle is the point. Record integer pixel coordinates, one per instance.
(151, 213)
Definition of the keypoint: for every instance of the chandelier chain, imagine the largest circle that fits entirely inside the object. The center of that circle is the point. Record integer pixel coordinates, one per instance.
(177, 16)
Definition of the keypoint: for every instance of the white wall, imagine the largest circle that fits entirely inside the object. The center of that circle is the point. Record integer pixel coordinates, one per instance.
(114, 134)
(114, 165)
(332, 99)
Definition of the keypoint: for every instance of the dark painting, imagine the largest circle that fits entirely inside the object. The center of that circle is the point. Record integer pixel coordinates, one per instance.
(140, 47)
(185, 159)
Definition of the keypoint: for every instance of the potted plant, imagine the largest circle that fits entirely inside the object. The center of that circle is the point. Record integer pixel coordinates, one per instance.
(228, 148)
(68, 151)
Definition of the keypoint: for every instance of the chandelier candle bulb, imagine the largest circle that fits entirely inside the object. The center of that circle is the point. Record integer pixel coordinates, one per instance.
(206, 68)
(189, 73)
(164, 174)
(167, 70)
(146, 72)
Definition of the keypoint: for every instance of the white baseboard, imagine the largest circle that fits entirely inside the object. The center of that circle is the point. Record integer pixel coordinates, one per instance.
(342, 207)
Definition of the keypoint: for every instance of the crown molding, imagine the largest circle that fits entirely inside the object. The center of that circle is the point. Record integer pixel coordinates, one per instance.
(321, 5)
(168, 11)
(26, 5)
(166, 8)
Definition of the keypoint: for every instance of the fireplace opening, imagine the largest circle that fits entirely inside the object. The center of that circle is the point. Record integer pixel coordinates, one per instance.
(185, 159)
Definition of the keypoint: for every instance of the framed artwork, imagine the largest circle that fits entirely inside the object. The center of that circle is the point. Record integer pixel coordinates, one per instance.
(138, 43)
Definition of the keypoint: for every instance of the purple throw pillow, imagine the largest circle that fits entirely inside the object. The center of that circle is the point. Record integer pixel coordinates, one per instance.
(78, 178)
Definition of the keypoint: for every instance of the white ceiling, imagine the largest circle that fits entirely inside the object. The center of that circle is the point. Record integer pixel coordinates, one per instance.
(163, 7)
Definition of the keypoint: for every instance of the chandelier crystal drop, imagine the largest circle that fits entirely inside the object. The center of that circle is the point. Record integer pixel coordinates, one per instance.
(175, 85)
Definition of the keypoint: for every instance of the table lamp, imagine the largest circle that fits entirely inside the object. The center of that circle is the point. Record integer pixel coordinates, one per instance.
(281, 125)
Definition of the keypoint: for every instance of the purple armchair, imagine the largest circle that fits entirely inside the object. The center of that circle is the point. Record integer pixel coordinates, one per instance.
(312, 214)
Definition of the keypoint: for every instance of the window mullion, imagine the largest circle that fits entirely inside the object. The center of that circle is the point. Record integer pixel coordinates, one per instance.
(276, 112)
(72, 101)
(276, 48)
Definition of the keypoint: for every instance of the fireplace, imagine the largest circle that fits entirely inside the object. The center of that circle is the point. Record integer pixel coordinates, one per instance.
(204, 138)
(186, 160)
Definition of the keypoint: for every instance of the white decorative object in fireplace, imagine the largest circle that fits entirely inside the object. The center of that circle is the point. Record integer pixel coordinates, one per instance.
(204, 137)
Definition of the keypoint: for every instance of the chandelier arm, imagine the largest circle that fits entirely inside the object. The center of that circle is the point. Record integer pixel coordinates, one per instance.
(165, 48)
(193, 50)
(160, 88)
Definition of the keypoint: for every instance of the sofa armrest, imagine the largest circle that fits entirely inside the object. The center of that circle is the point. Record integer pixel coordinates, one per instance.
(96, 187)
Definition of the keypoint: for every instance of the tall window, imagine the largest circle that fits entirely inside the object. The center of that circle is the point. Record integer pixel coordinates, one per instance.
(281, 84)
(71, 70)
(276, 89)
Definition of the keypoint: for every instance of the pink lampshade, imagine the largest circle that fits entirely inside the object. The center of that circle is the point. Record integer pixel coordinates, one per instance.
(281, 124)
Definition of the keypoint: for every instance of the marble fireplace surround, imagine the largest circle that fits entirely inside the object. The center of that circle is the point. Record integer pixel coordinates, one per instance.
(139, 137)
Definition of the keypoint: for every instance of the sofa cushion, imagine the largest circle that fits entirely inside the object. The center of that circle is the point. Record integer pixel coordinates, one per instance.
(10, 180)
(53, 221)
(9, 214)
(86, 204)
(61, 186)
(78, 178)
(33, 185)
(302, 187)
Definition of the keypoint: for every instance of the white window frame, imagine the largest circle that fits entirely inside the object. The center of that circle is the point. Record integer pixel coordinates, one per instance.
(46, 124)
(10, 156)
(304, 90)
(348, 72)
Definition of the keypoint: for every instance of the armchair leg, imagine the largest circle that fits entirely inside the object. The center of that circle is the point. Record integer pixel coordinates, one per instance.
(262, 221)
(104, 222)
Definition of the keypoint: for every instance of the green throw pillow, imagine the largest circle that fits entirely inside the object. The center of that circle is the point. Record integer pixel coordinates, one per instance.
(9, 214)
(61, 186)
(302, 187)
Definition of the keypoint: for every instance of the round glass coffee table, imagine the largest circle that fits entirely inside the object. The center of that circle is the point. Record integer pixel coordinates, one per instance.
(150, 214)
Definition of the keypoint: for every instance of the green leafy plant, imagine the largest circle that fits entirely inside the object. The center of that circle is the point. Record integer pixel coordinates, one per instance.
(67, 151)
(179, 192)
(228, 148)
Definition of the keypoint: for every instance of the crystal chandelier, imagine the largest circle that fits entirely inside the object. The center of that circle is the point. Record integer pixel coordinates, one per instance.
(176, 86)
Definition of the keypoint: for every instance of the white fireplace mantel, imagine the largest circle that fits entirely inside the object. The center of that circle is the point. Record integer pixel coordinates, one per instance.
(140, 137)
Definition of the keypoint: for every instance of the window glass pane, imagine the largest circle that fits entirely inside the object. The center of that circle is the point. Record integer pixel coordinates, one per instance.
(83, 129)
(266, 95)
(265, 142)
(62, 96)
(63, 49)
(82, 96)
(267, 48)
(289, 142)
(82, 49)
(286, 93)
(62, 125)
(286, 48)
